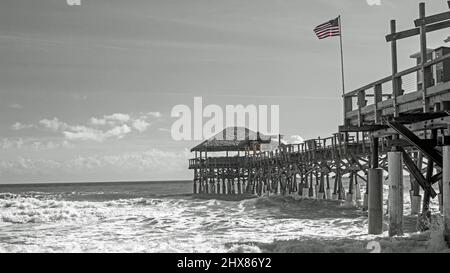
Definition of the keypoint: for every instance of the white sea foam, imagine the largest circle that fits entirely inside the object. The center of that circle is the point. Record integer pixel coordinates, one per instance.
(43, 222)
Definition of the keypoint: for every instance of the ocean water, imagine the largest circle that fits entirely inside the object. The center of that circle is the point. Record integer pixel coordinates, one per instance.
(164, 217)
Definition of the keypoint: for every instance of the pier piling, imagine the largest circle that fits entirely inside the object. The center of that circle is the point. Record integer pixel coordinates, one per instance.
(375, 201)
(395, 167)
(446, 192)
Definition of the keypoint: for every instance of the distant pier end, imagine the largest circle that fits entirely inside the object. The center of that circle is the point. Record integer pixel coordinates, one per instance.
(221, 162)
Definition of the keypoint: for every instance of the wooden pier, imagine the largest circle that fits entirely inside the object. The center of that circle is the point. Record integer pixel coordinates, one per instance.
(394, 125)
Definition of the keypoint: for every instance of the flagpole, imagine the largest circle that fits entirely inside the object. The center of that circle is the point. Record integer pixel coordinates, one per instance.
(342, 71)
(342, 56)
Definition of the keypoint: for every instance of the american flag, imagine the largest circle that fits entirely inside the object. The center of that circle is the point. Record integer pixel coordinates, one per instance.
(328, 29)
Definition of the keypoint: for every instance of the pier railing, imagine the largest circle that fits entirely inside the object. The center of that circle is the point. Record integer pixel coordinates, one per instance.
(338, 145)
(395, 94)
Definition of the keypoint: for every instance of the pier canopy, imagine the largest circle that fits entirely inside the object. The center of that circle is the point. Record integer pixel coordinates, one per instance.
(233, 139)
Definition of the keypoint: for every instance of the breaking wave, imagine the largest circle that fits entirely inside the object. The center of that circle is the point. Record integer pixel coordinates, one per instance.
(71, 222)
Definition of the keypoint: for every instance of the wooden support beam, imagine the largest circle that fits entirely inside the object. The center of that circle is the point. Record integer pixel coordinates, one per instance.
(364, 128)
(405, 143)
(394, 64)
(374, 156)
(414, 170)
(416, 31)
(430, 152)
(378, 97)
(432, 19)
(418, 126)
(436, 178)
(417, 117)
(362, 102)
(446, 192)
(424, 58)
(348, 107)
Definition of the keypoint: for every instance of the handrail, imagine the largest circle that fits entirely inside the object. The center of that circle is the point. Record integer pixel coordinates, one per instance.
(368, 86)
(399, 74)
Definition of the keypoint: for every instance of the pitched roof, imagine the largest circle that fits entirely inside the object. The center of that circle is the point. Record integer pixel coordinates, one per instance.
(232, 139)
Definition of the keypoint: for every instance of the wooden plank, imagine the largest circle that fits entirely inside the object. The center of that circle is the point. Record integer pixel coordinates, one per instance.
(413, 118)
(362, 102)
(416, 31)
(419, 126)
(438, 60)
(404, 143)
(427, 150)
(423, 57)
(403, 34)
(414, 170)
(378, 92)
(435, 178)
(433, 19)
(364, 128)
(394, 64)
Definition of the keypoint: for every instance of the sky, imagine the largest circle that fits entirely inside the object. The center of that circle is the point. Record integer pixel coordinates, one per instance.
(86, 91)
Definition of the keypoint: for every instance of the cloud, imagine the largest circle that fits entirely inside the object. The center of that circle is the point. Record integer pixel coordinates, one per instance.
(20, 126)
(87, 133)
(33, 144)
(6, 143)
(295, 139)
(150, 161)
(141, 125)
(15, 106)
(118, 117)
(155, 114)
(119, 131)
(373, 2)
(116, 125)
(79, 97)
(98, 121)
(29, 166)
(84, 133)
(53, 124)
(73, 2)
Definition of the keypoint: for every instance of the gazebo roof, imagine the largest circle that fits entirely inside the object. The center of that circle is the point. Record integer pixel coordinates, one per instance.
(232, 139)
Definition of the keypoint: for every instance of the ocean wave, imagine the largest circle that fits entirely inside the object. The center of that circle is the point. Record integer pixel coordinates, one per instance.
(178, 223)
(19, 210)
(37, 208)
